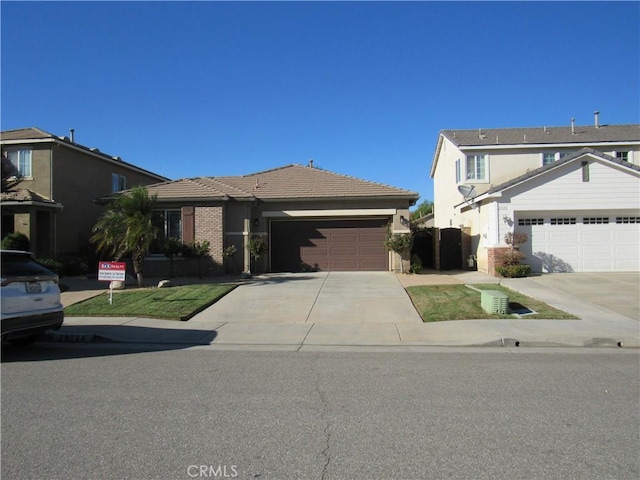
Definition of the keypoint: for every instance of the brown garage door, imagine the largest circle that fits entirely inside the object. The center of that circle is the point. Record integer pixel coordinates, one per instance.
(328, 245)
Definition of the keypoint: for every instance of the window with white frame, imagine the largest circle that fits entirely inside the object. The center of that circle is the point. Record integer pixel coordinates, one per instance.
(118, 182)
(476, 167)
(624, 156)
(550, 157)
(458, 171)
(21, 160)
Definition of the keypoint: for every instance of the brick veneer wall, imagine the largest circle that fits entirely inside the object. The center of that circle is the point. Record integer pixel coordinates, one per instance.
(209, 225)
(493, 258)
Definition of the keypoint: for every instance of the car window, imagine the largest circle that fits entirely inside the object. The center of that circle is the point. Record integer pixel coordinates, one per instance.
(20, 265)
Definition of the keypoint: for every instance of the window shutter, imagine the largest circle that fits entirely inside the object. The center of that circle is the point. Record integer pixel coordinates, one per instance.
(188, 224)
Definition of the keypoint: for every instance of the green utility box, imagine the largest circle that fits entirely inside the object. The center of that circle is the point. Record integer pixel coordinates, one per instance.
(494, 301)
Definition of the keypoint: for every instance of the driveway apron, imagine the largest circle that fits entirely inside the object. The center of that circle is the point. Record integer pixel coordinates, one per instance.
(318, 297)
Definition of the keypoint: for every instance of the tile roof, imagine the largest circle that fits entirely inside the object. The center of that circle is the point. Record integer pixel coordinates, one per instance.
(25, 134)
(543, 135)
(290, 182)
(24, 195)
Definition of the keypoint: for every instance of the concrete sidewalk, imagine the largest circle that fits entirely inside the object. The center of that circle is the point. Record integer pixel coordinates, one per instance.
(283, 323)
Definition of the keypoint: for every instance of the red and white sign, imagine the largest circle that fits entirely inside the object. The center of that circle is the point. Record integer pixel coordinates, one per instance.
(112, 271)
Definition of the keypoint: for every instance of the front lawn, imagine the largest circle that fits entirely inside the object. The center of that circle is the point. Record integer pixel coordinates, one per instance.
(174, 303)
(436, 303)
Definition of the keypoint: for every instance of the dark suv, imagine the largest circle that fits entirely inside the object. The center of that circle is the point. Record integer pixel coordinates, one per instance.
(30, 298)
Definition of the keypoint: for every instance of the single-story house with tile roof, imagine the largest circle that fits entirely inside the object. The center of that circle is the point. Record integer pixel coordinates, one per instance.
(311, 219)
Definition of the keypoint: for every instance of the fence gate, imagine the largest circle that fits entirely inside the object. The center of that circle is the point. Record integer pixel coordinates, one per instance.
(450, 249)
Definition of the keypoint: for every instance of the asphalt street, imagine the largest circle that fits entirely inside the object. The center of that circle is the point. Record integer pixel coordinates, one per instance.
(157, 412)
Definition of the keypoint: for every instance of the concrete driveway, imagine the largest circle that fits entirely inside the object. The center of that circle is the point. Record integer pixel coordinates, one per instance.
(316, 298)
(615, 291)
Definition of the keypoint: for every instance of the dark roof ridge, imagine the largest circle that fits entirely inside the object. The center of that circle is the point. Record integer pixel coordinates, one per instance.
(217, 181)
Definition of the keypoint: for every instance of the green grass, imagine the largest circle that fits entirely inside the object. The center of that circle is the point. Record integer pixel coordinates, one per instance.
(438, 303)
(175, 303)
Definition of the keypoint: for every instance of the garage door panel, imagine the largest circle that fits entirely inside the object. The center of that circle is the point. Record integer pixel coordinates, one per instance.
(583, 246)
(347, 245)
(344, 251)
(350, 238)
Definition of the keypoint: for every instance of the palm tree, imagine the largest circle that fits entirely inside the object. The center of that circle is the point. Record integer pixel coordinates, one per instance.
(127, 228)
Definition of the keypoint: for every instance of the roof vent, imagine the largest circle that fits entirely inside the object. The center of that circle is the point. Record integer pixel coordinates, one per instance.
(257, 185)
(596, 119)
(311, 163)
(573, 126)
(94, 150)
(72, 135)
(480, 134)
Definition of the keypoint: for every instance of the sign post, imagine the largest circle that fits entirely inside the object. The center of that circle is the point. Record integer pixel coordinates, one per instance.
(112, 272)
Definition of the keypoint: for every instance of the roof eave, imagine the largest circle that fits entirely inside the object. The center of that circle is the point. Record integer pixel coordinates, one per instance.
(436, 155)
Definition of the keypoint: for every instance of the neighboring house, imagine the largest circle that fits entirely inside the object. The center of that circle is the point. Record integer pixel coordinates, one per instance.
(312, 219)
(575, 191)
(53, 204)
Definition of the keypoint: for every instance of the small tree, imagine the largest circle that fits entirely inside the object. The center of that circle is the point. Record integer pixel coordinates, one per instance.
(510, 262)
(425, 208)
(257, 247)
(198, 250)
(399, 243)
(127, 228)
(229, 254)
(172, 247)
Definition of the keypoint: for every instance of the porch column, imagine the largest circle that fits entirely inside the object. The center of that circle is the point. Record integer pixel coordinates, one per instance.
(246, 269)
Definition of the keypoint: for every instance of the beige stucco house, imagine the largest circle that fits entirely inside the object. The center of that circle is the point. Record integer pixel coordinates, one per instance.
(54, 204)
(575, 191)
(310, 218)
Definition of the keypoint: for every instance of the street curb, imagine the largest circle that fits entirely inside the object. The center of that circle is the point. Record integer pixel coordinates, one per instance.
(626, 343)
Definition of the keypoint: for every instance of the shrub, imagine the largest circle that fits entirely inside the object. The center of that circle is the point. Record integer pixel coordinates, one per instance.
(513, 271)
(16, 241)
(52, 264)
(416, 264)
(514, 257)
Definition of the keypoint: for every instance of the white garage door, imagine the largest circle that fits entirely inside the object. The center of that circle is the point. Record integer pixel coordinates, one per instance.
(597, 242)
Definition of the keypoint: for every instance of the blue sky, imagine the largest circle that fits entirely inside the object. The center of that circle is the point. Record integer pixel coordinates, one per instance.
(226, 88)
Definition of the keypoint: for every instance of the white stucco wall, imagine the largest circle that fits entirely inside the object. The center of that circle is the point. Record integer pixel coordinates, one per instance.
(503, 164)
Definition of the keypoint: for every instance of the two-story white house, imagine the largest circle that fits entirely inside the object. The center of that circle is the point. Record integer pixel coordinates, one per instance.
(575, 192)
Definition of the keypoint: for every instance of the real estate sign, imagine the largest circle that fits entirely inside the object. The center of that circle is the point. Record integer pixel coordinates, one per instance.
(112, 271)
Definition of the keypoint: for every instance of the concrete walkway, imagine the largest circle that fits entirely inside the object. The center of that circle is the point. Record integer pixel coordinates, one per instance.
(315, 310)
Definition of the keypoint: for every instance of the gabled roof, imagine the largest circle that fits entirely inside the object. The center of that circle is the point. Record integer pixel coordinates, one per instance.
(37, 135)
(543, 135)
(552, 166)
(292, 182)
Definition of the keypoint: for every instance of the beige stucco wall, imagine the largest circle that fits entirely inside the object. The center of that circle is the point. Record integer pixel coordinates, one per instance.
(78, 179)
